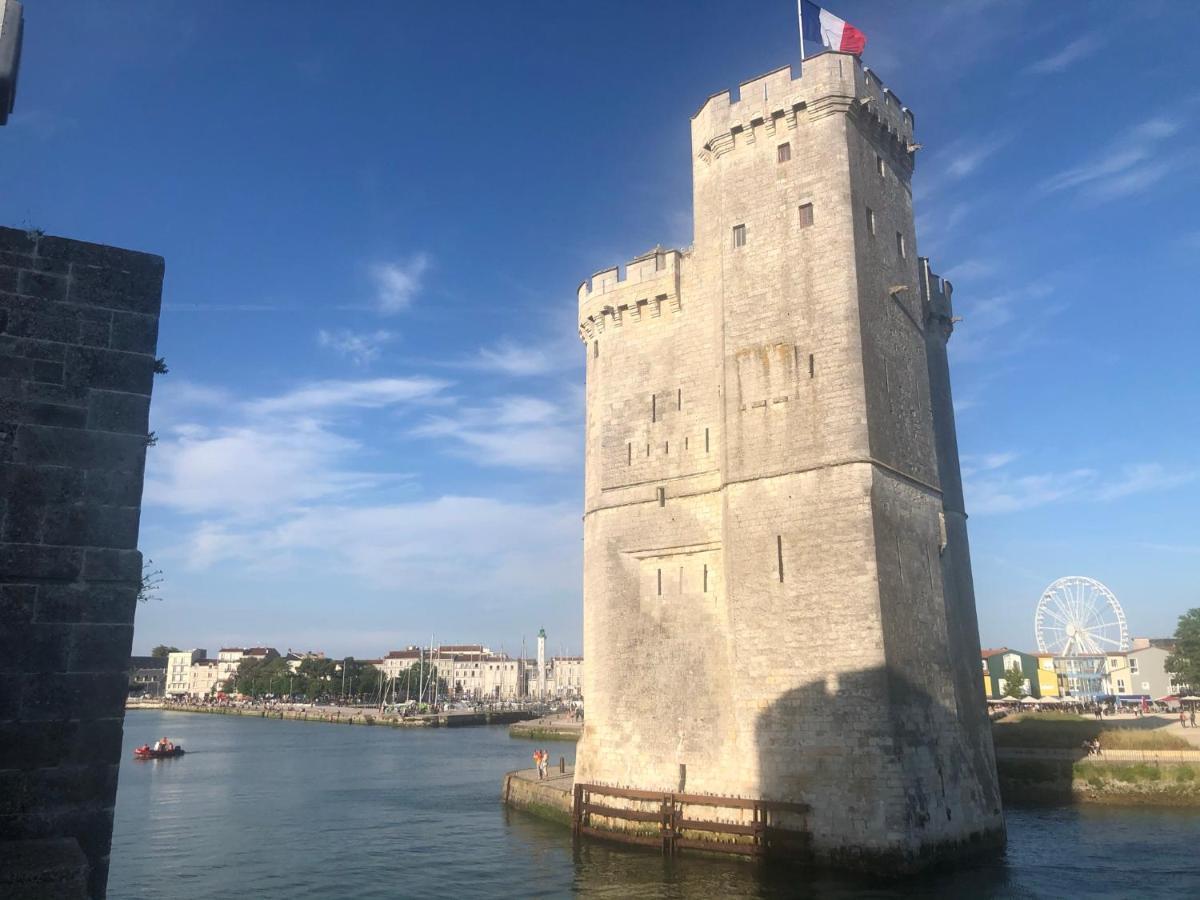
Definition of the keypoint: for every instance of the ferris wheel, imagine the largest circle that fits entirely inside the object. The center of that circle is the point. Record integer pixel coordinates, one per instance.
(1079, 615)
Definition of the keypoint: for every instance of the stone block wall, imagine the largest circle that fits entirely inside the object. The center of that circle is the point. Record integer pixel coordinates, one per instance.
(78, 338)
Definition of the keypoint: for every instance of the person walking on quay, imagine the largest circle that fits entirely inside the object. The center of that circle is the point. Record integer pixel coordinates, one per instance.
(1182, 718)
(1192, 717)
(537, 759)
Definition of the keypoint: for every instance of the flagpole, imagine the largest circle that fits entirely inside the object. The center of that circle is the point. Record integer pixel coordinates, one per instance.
(800, 15)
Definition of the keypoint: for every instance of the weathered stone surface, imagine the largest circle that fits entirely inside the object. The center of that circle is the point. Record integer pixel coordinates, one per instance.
(39, 869)
(766, 440)
(78, 327)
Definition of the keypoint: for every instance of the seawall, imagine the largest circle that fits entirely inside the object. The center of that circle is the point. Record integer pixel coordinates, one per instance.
(548, 799)
(547, 729)
(338, 717)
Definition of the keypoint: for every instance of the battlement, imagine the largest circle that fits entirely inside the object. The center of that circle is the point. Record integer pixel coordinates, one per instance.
(647, 287)
(936, 299)
(830, 82)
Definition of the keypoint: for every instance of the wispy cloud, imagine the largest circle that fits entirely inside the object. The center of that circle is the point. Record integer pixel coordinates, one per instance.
(1144, 477)
(1078, 49)
(324, 396)
(518, 359)
(517, 431)
(223, 307)
(397, 283)
(972, 269)
(1128, 166)
(421, 547)
(993, 488)
(362, 347)
(963, 157)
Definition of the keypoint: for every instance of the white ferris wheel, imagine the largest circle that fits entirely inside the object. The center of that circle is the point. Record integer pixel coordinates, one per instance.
(1078, 615)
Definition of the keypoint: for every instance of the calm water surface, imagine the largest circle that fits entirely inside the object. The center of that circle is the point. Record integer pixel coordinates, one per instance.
(291, 809)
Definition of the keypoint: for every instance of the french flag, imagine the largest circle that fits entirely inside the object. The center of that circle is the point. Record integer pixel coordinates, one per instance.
(821, 27)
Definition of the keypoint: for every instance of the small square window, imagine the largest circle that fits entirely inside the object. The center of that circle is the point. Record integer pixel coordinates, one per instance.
(739, 235)
(870, 220)
(806, 215)
(783, 152)
(879, 166)
(900, 246)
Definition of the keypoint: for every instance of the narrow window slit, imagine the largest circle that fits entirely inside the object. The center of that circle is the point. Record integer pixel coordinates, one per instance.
(662, 496)
(660, 582)
(779, 555)
(705, 440)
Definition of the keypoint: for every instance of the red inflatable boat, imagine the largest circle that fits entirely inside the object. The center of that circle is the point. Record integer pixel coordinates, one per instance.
(147, 753)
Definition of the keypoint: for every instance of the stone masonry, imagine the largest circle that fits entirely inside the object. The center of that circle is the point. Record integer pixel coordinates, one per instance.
(78, 334)
(777, 589)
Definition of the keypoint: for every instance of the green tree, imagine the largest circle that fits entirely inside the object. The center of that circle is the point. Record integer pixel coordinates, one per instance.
(1014, 681)
(162, 651)
(1184, 661)
(256, 677)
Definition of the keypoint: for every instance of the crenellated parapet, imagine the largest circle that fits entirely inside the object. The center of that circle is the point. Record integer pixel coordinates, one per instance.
(776, 103)
(647, 288)
(936, 301)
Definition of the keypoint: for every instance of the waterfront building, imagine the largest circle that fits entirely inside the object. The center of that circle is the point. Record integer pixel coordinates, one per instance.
(566, 677)
(179, 671)
(1147, 669)
(776, 568)
(1040, 678)
(490, 676)
(398, 661)
(1084, 676)
(204, 677)
(147, 676)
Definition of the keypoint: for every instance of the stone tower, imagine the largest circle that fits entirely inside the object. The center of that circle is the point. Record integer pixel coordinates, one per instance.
(777, 586)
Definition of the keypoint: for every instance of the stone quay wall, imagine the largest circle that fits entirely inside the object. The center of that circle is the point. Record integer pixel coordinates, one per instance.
(768, 432)
(78, 338)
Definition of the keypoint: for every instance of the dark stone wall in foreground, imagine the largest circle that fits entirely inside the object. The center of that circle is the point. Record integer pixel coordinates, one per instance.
(78, 335)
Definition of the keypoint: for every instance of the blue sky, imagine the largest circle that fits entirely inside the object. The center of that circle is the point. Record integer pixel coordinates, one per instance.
(375, 217)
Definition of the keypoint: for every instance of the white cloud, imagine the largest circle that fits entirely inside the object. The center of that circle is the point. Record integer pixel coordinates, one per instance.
(372, 393)
(425, 545)
(1142, 478)
(509, 358)
(522, 432)
(249, 471)
(362, 347)
(1013, 493)
(991, 488)
(1078, 49)
(397, 283)
(966, 158)
(1129, 165)
(971, 269)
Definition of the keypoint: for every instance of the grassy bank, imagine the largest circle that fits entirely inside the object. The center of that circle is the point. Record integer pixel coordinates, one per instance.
(1066, 731)
(1056, 782)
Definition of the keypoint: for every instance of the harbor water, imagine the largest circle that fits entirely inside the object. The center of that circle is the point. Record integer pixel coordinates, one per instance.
(268, 808)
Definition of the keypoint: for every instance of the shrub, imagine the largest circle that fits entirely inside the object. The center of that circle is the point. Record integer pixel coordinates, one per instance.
(1185, 773)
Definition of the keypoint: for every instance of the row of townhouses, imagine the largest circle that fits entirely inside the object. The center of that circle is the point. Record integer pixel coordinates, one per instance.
(469, 671)
(1136, 674)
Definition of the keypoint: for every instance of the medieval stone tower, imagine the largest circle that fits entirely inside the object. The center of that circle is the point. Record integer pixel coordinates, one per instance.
(777, 589)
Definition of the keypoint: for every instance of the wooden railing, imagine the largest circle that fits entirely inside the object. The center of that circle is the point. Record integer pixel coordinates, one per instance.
(661, 819)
